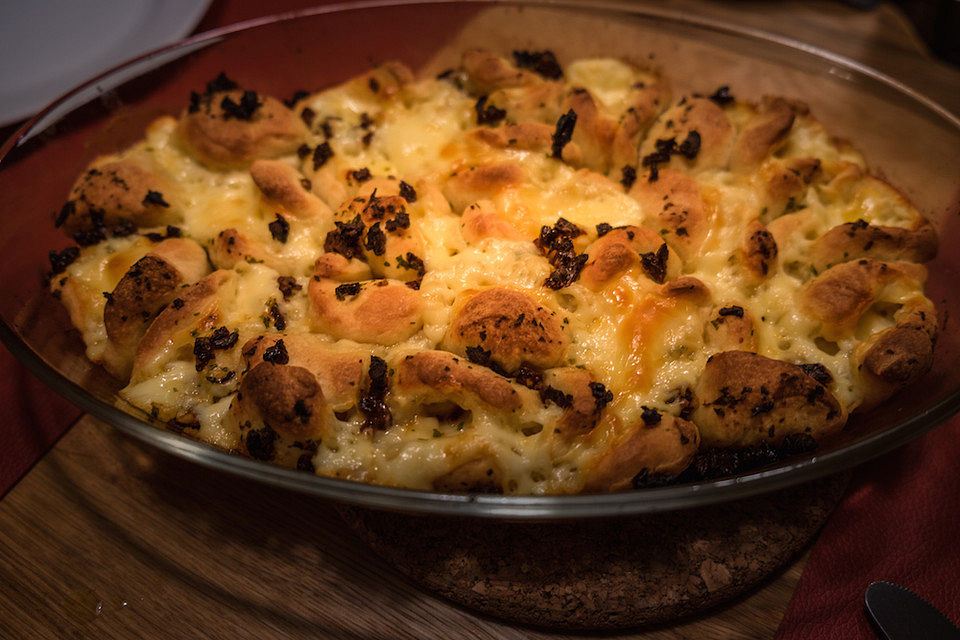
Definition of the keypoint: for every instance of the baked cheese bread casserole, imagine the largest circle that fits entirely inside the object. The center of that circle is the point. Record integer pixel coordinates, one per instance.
(519, 277)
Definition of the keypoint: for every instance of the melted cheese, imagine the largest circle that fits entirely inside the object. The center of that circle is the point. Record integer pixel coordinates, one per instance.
(645, 348)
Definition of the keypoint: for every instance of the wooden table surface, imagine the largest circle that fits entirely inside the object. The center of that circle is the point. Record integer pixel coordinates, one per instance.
(105, 538)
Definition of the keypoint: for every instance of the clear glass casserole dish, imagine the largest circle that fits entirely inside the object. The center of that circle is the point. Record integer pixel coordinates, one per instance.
(904, 136)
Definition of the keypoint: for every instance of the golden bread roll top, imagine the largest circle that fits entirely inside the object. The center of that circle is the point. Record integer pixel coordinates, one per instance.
(128, 190)
(149, 285)
(625, 247)
(287, 190)
(373, 311)
(482, 220)
(231, 129)
(660, 446)
(856, 240)
(765, 132)
(746, 399)
(899, 355)
(511, 326)
(338, 370)
(199, 311)
(841, 295)
(674, 203)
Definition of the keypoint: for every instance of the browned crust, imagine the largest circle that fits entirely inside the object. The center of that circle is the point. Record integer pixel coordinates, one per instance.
(339, 372)
(200, 309)
(481, 220)
(786, 179)
(730, 327)
(283, 187)
(387, 79)
(855, 240)
(219, 142)
(146, 288)
(675, 199)
(440, 374)
(707, 119)
(745, 399)
(759, 250)
(687, 288)
(765, 131)
(482, 182)
(662, 449)
(646, 103)
(383, 312)
(899, 356)
(511, 325)
(583, 412)
(840, 295)
(620, 249)
(592, 142)
(232, 247)
(285, 397)
(487, 72)
(118, 190)
(526, 136)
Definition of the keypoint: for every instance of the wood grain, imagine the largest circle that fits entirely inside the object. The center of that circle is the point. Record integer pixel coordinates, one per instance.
(106, 538)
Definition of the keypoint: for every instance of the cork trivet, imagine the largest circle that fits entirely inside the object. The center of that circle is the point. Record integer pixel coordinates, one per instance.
(605, 574)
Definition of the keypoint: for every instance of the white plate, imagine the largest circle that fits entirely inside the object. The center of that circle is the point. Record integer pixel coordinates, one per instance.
(49, 46)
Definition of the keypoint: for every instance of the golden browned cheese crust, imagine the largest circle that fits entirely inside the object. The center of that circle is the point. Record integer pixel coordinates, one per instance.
(526, 275)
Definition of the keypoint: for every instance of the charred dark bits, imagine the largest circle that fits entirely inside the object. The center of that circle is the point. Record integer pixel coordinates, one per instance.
(628, 175)
(279, 320)
(321, 154)
(528, 376)
(655, 264)
(487, 113)
(412, 262)
(156, 198)
(372, 404)
(205, 346)
(601, 395)
(360, 175)
(557, 397)
(297, 96)
(478, 355)
(722, 96)
(288, 286)
(732, 310)
(279, 228)
(60, 260)
(557, 245)
(818, 372)
(348, 289)
(407, 192)
(543, 63)
(345, 239)
(690, 147)
(243, 110)
(376, 240)
(277, 354)
(68, 209)
(260, 443)
(603, 229)
(650, 416)
(563, 132)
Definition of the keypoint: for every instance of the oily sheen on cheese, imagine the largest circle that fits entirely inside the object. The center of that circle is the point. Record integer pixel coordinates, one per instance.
(526, 275)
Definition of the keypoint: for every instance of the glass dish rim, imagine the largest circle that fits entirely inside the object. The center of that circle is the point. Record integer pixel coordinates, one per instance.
(551, 507)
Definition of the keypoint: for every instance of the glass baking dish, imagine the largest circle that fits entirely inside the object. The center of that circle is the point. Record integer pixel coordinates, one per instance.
(904, 136)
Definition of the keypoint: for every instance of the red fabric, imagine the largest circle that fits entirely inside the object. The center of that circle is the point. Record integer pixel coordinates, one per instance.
(898, 522)
(32, 417)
